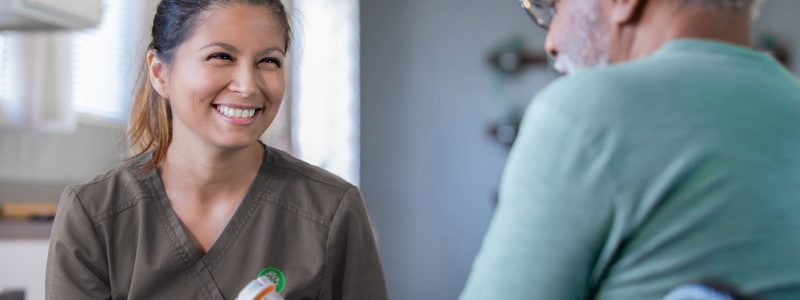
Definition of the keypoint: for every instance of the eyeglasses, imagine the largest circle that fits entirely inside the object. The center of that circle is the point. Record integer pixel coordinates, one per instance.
(541, 11)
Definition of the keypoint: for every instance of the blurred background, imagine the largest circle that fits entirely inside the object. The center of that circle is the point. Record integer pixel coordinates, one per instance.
(415, 101)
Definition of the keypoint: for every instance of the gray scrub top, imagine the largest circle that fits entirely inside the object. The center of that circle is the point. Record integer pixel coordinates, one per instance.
(117, 237)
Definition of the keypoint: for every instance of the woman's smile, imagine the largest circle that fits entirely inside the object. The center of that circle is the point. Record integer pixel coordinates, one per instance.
(238, 115)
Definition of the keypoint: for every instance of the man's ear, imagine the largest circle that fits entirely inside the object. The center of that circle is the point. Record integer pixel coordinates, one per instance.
(624, 12)
(157, 72)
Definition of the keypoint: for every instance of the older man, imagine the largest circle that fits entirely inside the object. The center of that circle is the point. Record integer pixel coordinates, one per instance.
(678, 162)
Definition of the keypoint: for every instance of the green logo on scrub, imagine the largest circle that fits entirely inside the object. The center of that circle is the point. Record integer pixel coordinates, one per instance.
(276, 276)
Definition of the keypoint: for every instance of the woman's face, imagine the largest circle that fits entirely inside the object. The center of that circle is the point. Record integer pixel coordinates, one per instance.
(226, 80)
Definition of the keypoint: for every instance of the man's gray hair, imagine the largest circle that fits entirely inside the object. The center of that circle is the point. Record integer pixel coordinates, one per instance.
(728, 4)
(741, 5)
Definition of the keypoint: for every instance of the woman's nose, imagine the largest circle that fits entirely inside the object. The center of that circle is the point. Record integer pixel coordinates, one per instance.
(244, 81)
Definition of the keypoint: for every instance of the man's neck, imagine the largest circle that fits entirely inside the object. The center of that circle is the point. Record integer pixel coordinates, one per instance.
(666, 21)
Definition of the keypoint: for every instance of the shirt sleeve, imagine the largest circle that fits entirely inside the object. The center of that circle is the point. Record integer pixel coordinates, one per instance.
(353, 269)
(552, 217)
(76, 263)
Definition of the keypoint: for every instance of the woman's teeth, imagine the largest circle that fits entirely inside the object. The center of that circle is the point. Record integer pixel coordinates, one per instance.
(231, 112)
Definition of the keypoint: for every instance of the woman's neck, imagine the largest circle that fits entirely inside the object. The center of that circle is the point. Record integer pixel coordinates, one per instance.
(207, 173)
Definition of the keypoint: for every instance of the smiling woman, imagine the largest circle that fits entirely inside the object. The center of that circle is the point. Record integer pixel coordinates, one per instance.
(203, 207)
(222, 68)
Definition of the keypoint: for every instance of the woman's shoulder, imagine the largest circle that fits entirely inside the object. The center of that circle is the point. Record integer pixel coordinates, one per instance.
(296, 169)
(113, 190)
(304, 187)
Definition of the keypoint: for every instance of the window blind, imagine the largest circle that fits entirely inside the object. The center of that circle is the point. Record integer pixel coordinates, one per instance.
(101, 81)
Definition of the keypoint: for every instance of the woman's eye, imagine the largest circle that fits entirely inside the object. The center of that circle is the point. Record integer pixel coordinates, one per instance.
(271, 60)
(222, 56)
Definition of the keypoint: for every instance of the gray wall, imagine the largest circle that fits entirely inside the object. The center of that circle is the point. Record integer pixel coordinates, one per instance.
(428, 170)
(779, 18)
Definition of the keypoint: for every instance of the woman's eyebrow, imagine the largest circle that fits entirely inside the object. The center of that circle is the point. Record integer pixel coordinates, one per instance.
(271, 49)
(222, 45)
(231, 48)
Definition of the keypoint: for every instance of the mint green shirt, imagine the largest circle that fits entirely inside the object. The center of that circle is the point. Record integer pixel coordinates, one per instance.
(628, 181)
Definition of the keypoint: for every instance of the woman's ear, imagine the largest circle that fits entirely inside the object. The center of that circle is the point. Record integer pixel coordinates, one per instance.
(624, 12)
(157, 73)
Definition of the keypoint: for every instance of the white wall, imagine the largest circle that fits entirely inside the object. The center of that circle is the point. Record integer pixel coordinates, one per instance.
(428, 171)
(23, 265)
(59, 157)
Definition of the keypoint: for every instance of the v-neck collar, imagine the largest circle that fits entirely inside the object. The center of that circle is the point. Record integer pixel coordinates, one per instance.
(189, 252)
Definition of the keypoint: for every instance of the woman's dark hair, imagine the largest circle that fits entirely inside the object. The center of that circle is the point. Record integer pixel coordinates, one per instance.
(150, 123)
(175, 20)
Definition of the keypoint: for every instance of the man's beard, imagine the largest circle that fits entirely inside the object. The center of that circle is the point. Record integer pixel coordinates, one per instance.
(589, 45)
(564, 64)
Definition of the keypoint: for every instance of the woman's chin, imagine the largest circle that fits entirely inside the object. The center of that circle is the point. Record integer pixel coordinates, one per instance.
(232, 144)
